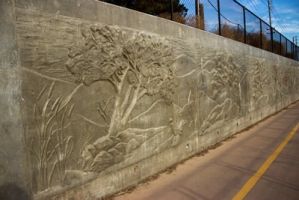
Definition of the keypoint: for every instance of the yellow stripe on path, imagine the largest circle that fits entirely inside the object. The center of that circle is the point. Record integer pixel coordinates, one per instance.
(254, 179)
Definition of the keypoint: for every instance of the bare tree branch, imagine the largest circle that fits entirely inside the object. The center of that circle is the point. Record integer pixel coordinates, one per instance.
(145, 112)
(127, 96)
(131, 105)
(92, 122)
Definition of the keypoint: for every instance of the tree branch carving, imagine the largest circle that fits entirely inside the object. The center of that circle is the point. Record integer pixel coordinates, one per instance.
(135, 65)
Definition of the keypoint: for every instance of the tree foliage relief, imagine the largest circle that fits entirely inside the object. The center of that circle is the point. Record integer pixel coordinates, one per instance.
(136, 66)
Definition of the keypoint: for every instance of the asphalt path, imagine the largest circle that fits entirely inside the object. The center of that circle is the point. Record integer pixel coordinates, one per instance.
(261, 163)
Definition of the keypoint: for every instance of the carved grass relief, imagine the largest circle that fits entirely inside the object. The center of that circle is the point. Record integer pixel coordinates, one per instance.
(50, 147)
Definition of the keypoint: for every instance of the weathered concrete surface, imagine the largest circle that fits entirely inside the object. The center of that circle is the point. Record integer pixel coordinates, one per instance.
(110, 99)
(221, 173)
(13, 173)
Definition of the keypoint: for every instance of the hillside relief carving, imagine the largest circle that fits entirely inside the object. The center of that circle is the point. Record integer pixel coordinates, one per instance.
(218, 87)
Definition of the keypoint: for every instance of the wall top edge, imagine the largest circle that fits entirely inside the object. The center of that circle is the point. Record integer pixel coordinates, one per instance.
(105, 13)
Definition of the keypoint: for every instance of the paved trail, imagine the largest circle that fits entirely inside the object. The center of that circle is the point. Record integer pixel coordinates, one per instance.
(258, 164)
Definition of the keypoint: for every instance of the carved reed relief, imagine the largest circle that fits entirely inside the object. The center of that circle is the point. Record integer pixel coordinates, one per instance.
(50, 148)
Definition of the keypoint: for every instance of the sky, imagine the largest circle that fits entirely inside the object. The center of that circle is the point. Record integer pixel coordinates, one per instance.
(285, 14)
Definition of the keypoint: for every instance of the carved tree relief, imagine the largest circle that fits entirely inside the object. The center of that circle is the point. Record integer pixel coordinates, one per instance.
(259, 83)
(224, 90)
(136, 66)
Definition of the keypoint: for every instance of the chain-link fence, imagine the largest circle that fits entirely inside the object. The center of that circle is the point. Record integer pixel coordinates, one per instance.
(224, 17)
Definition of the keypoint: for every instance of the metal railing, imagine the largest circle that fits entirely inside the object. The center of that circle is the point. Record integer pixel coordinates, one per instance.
(227, 18)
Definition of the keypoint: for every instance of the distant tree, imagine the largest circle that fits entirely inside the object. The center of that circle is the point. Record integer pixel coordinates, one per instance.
(197, 21)
(233, 32)
(153, 7)
(252, 38)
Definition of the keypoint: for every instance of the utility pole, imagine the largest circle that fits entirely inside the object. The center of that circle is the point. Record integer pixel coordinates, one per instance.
(295, 40)
(270, 10)
(197, 14)
(171, 9)
(270, 23)
(219, 17)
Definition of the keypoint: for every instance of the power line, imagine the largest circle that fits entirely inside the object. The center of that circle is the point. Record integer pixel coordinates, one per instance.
(252, 5)
(264, 2)
(276, 13)
(237, 24)
(279, 24)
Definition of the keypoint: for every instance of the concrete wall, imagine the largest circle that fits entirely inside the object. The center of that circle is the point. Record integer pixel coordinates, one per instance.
(104, 97)
(14, 174)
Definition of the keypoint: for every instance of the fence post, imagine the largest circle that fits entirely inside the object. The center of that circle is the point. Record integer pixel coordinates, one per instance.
(171, 9)
(244, 24)
(196, 8)
(293, 51)
(197, 14)
(261, 34)
(219, 16)
(271, 32)
(280, 45)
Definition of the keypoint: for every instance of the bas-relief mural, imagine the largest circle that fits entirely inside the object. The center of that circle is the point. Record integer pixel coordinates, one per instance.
(139, 69)
(137, 66)
(146, 100)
